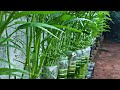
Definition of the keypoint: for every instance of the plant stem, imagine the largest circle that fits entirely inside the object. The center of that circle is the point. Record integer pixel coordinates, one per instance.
(4, 26)
(8, 56)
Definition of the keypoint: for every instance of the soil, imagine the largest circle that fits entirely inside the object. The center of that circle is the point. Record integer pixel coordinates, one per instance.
(108, 61)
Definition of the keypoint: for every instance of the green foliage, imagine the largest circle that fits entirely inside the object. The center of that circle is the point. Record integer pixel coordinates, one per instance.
(61, 30)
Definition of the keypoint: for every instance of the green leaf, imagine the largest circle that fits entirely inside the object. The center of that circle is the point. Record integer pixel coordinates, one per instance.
(7, 71)
(107, 13)
(4, 25)
(69, 28)
(24, 13)
(35, 24)
(5, 61)
(7, 39)
(39, 25)
(16, 47)
(3, 39)
(57, 14)
(79, 19)
(65, 17)
(48, 32)
(20, 22)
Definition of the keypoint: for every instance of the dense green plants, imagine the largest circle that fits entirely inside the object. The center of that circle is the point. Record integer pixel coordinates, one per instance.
(50, 37)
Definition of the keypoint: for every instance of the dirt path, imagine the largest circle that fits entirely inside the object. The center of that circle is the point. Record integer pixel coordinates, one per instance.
(108, 61)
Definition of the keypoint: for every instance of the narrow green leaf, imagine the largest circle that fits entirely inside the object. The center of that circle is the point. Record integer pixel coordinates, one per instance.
(13, 46)
(2, 39)
(41, 26)
(65, 17)
(5, 61)
(24, 13)
(69, 28)
(79, 19)
(7, 71)
(35, 24)
(48, 32)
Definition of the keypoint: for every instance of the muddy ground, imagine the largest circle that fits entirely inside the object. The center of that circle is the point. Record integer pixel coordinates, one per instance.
(108, 61)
